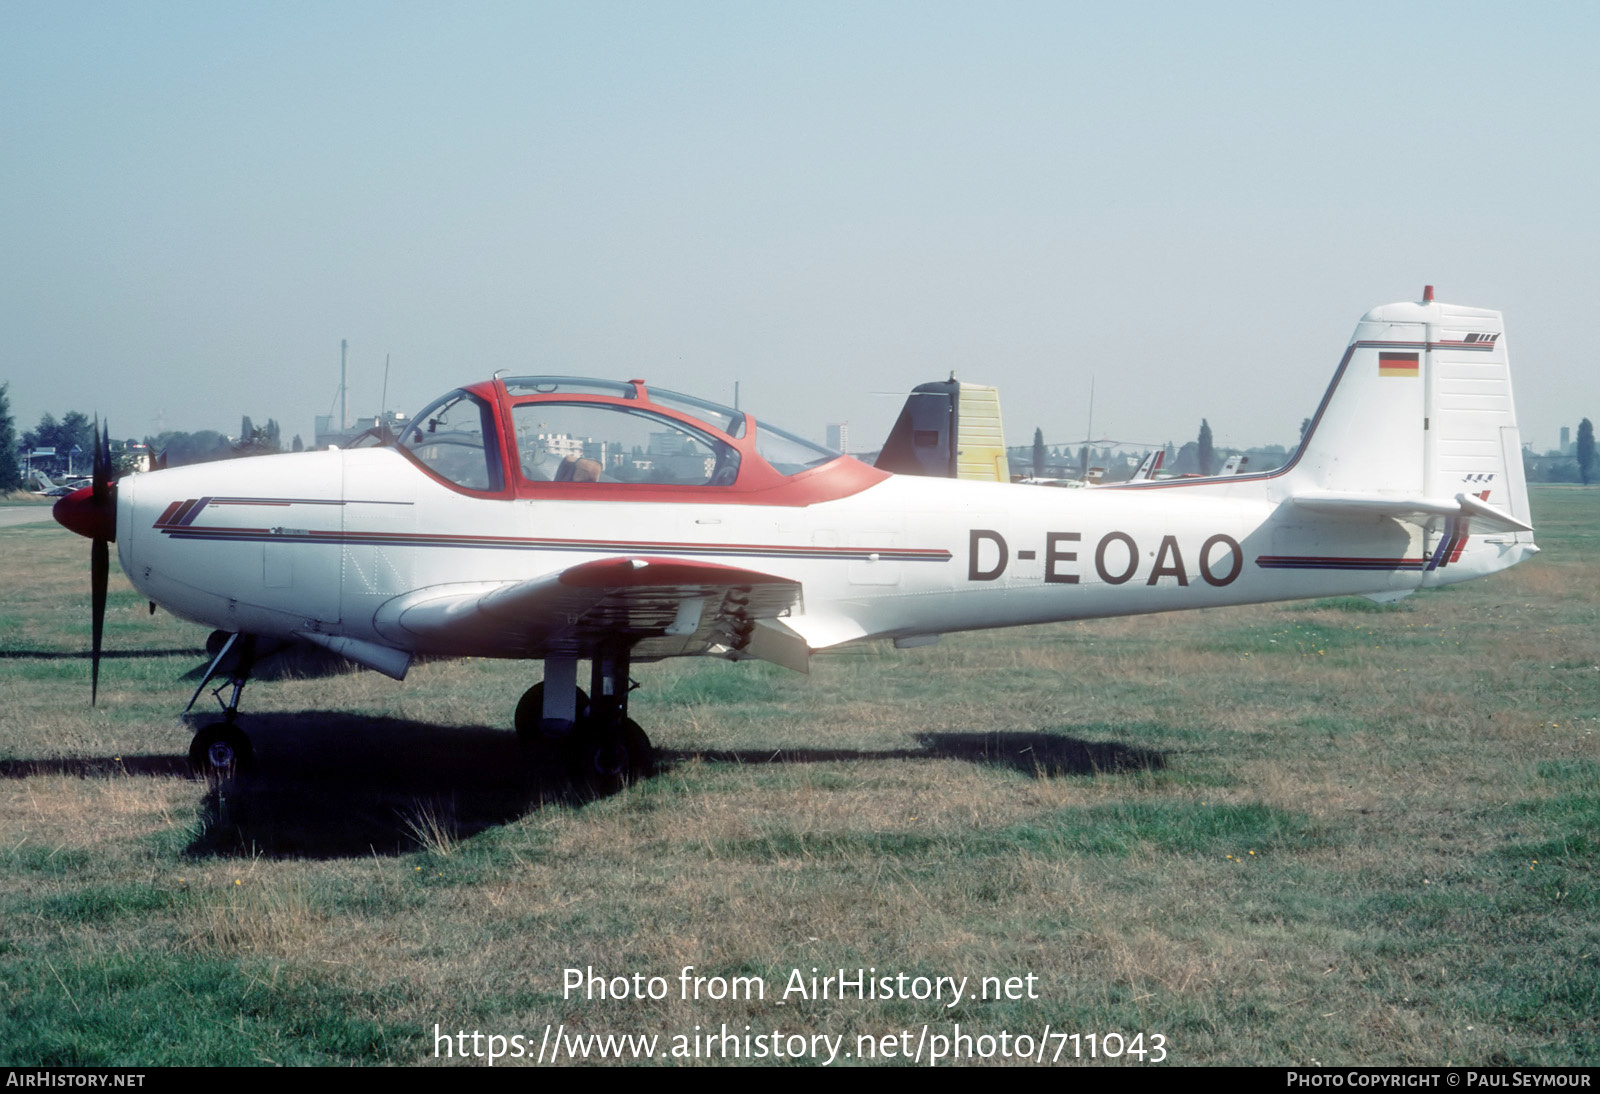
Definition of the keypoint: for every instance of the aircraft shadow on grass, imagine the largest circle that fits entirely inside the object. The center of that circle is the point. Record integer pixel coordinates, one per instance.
(1039, 754)
(327, 784)
(298, 661)
(85, 655)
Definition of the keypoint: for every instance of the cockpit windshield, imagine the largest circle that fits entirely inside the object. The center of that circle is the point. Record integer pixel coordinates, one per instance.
(454, 437)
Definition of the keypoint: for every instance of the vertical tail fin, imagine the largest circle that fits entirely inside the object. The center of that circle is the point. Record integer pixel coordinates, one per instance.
(1421, 406)
(1149, 465)
(1419, 424)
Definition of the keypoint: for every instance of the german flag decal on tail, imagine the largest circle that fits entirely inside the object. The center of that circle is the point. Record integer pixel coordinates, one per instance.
(1398, 364)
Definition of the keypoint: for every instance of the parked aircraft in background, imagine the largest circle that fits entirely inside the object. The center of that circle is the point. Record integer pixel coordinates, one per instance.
(573, 520)
(952, 430)
(1149, 466)
(948, 430)
(43, 484)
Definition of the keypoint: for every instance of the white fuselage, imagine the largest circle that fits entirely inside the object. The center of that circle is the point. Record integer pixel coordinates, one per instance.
(320, 542)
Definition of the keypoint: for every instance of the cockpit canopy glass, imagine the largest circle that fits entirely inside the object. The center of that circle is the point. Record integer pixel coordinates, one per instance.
(725, 418)
(576, 437)
(520, 386)
(595, 442)
(449, 438)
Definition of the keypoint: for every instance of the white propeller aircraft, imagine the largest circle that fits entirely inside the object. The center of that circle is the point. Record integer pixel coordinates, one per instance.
(569, 520)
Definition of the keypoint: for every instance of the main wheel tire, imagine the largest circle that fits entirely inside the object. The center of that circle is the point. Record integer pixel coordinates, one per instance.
(221, 751)
(529, 717)
(608, 759)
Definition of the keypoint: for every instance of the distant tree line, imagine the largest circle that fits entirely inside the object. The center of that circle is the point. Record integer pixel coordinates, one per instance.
(1580, 462)
(10, 470)
(1196, 457)
(177, 449)
(76, 430)
(1577, 463)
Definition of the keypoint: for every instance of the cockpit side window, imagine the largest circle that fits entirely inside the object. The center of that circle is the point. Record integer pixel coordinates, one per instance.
(455, 438)
(584, 442)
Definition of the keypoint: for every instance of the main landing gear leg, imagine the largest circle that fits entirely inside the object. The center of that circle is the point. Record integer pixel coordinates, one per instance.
(610, 750)
(603, 747)
(221, 749)
(551, 710)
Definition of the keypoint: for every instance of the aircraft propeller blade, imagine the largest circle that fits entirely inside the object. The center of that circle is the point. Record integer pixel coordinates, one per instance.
(99, 571)
(92, 513)
(99, 553)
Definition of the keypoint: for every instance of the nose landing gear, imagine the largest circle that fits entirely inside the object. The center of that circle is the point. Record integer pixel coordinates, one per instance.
(222, 750)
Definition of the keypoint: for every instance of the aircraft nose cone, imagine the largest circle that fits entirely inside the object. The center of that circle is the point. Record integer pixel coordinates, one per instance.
(91, 519)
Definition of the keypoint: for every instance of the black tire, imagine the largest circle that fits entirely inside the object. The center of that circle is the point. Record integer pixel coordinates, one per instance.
(530, 716)
(606, 760)
(220, 751)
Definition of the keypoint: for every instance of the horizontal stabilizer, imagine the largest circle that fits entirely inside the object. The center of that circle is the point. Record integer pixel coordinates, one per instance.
(1485, 517)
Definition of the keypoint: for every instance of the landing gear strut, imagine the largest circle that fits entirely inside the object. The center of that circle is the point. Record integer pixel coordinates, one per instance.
(221, 749)
(534, 730)
(603, 747)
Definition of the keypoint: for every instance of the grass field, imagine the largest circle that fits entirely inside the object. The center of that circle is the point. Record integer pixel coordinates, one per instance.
(1324, 832)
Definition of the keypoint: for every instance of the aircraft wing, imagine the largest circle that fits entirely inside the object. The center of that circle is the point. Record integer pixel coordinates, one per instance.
(664, 607)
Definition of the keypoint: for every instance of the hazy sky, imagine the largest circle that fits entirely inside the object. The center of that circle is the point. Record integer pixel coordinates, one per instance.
(1191, 204)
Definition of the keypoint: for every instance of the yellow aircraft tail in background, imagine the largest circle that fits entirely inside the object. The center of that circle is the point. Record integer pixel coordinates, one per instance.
(949, 430)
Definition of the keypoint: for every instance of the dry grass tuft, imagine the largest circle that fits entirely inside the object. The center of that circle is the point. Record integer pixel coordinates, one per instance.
(249, 913)
(433, 825)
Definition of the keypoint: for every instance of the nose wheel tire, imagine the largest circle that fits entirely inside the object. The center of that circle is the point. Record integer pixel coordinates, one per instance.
(220, 751)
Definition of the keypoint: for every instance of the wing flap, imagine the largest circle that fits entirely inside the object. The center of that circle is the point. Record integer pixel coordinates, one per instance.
(663, 607)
